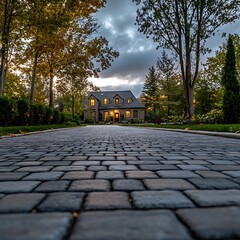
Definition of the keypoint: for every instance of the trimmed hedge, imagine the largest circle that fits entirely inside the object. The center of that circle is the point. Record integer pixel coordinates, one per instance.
(22, 112)
(8, 111)
(23, 108)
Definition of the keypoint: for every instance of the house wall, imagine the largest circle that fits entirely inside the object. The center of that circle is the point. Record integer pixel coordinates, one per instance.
(92, 110)
(122, 112)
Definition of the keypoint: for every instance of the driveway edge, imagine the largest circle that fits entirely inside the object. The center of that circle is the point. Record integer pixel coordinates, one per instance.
(37, 132)
(208, 133)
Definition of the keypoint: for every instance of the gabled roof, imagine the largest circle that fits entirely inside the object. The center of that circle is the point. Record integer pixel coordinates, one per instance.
(125, 95)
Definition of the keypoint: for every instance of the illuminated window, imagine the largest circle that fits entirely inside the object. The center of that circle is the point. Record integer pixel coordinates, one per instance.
(105, 101)
(92, 102)
(116, 101)
(135, 113)
(128, 114)
(129, 100)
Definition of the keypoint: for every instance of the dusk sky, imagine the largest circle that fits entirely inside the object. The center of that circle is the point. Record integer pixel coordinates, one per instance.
(137, 53)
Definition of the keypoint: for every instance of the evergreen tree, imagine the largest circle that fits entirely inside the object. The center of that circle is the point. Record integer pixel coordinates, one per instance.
(231, 98)
(169, 83)
(150, 90)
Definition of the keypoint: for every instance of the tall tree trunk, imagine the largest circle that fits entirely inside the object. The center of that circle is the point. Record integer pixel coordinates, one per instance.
(73, 105)
(188, 92)
(191, 104)
(34, 73)
(8, 10)
(169, 107)
(51, 88)
(2, 70)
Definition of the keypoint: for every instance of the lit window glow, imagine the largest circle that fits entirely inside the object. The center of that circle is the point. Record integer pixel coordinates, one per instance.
(92, 102)
(128, 114)
(105, 101)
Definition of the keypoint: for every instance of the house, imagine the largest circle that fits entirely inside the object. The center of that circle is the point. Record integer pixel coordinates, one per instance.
(114, 106)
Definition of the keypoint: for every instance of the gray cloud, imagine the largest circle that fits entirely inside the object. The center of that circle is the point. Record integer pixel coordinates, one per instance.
(137, 53)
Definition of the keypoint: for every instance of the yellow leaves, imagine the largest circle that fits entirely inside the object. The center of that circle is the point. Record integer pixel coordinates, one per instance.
(15, 135)
(12, 135)
(20, 131)
(74, 215)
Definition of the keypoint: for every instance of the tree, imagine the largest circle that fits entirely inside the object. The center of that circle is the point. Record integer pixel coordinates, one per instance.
(184, 26)
(78, 52)
(59, 36)
(214, 65)
(209, 90)
(231, 98)
(6, 21)
(207, 94)
(169, 82)
(15, 87)
(150, 91)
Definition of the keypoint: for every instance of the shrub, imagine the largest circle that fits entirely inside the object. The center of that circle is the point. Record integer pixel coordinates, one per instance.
(8, 111)
(37, 114)
(89, 120)
(62, 117)
(214, 116)
(152, 117)
(48, 115)
(56, 116)
(23, 107)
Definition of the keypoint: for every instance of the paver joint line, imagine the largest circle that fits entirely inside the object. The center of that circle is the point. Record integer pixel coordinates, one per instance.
(99, 179)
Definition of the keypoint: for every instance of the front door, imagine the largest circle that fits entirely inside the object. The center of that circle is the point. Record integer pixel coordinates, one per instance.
(116, 117)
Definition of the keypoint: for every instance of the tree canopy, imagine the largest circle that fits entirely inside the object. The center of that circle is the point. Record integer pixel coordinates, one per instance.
(183, 27)
(50, 41)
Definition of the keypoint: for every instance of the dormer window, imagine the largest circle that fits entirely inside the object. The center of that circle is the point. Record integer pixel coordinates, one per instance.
(92, 102)
(105, 101)
(116, 101)
(129, 100)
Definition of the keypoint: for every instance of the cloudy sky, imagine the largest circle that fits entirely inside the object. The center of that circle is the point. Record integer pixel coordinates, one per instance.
(137, 53)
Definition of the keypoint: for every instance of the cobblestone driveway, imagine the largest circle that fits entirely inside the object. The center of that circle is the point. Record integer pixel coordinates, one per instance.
(110, 182)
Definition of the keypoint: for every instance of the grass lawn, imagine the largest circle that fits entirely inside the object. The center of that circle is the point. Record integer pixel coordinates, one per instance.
(202, 127)
(25, 129)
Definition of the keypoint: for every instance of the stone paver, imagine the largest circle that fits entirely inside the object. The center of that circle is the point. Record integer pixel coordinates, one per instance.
(112, 182)
(140, 174)
(213, 223)
(44, 176)
(211, 198)
(134, 225)
(53, 186)
(90, 185)
(168, 184)
(177, 174)
(21, 202)
(127, 185)
(61, 202)
(160, 199)
(16, 187)
(214, 183)
(78, 175)
(235, 174)
(50, 226)
(107, 200)
(109, 175)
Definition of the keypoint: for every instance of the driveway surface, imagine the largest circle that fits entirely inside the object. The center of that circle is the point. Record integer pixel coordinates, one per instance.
(111, 182)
